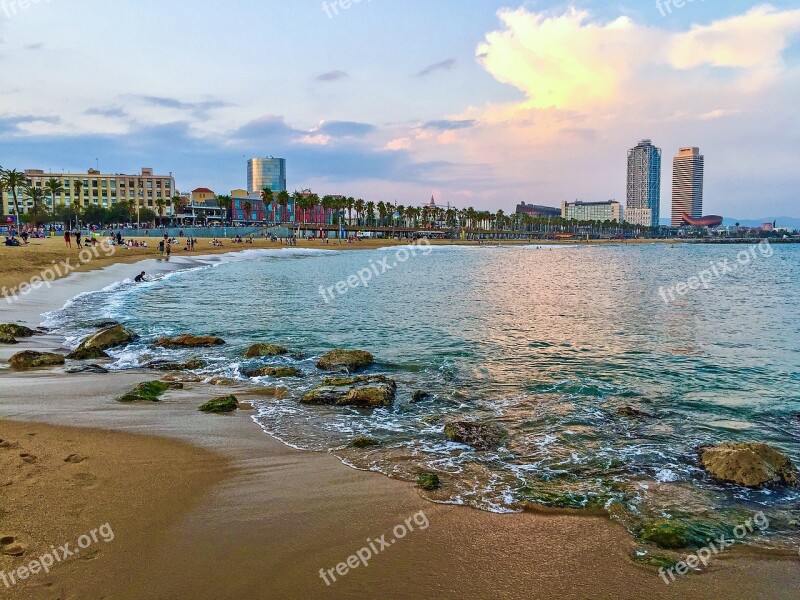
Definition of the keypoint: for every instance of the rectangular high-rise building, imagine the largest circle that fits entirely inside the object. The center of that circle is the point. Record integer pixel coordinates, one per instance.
(644, 185)
(266, 172)
(687, 185)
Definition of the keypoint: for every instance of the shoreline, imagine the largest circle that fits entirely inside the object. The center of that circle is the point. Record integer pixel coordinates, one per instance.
(269, 511)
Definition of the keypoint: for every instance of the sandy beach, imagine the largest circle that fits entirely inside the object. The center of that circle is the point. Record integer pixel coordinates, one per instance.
(208, 506)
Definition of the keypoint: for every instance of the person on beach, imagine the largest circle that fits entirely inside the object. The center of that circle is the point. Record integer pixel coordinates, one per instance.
(161, 247)
(78, 239)
(67, 238)
(139, 278)
(169, 250)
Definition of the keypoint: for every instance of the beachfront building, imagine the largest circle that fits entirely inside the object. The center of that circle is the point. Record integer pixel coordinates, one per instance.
(644, 185)
(250, 208)
(592, 211)
(687, 185)
(536, 211)
(266, 172)
(94, 188)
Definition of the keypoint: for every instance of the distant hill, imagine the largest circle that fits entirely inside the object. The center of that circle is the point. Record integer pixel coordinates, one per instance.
(790, 222)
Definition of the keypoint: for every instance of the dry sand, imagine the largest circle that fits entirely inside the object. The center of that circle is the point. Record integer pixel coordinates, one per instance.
(214, 508)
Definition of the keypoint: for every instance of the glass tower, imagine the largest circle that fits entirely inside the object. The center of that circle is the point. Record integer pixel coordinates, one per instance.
(644, 181)
(266, 172)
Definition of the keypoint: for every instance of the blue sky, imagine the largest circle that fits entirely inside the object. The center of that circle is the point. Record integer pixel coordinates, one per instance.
(481, 103)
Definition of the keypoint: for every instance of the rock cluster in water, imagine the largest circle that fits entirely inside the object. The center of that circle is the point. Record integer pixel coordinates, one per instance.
(345, 360)
(372, 391)
(190, 341)
(481, 436)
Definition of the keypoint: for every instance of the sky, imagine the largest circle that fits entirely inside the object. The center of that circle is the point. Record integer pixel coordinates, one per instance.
(481, 103)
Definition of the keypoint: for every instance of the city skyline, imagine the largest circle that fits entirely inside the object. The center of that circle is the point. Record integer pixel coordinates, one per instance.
(504, 105)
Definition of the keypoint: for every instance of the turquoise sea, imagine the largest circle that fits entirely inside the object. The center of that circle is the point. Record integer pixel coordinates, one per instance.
(548, 342)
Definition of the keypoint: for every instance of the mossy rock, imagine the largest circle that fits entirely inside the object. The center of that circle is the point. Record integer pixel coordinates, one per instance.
(345, 360)
(276, 372)
(223, 404)
(420, 396)
(363, 441)
(7, 338)
(87, 354)
(190, 365)
(667, 534)
(481, 436)
(17, 331)
(259, 350)
(658, 560)
(363, 392)
(33, 360)
(749, 464)
(190, 341)
(105, 339)
(428, 481)
(149, 391)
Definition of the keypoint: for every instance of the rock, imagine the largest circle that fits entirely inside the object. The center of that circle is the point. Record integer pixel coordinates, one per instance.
(88, 369)
(428, 481)
(32, 360)
(190, 341)
(87, 354)
(218, 380)
(258, 350)
(7, 338)
(190, 365)
(666, 534)
(633, 413)
(104, 339)
(420, 396)
(277, 372)
(748, 464)
(17, 331)
(277, 392)
(345, 360)
(365, 392)
(363, 441)
(105, 324)
(150, 391)
(222, 404)
(481, 436)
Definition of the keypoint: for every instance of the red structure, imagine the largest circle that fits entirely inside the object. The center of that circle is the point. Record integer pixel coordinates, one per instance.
(709, 221)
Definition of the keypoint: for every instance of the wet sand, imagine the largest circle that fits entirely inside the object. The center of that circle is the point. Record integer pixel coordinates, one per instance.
(211, 507)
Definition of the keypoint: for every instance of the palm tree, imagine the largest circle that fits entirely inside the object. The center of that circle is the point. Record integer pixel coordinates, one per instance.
(266, 196)
(360, 205)
(77, 186)
(226, 203)
(37, 196)
(283, 201)
(370, 212)
(160, 205)
(248, 206)
(313, 202)
(54, 187)
(11, 180)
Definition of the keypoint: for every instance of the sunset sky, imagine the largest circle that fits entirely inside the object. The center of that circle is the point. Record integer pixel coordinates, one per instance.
(480, 103)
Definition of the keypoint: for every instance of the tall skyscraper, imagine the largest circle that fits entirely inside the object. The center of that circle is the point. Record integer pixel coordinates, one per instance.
(687, 185)
(644, 185)
(266, 172)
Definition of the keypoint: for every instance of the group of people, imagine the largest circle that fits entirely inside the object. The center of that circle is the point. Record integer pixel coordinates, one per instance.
(238, 240)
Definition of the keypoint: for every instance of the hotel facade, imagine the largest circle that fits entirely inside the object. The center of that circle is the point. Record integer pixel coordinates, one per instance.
(266, 172)
(592, 211)
(643, 205)
(687, 185)
(96, 189)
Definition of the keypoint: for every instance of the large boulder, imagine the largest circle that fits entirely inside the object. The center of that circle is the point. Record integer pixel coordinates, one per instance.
(364, 392)
(16, 330)
(222, 404)
(481, 436)
(345, 360)
(190, 365)
(276, 372)
(111, 337)
(87, 354)
(32, 360)
(258, 350)
(190, 341)
(149, 391)
(748, 464)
